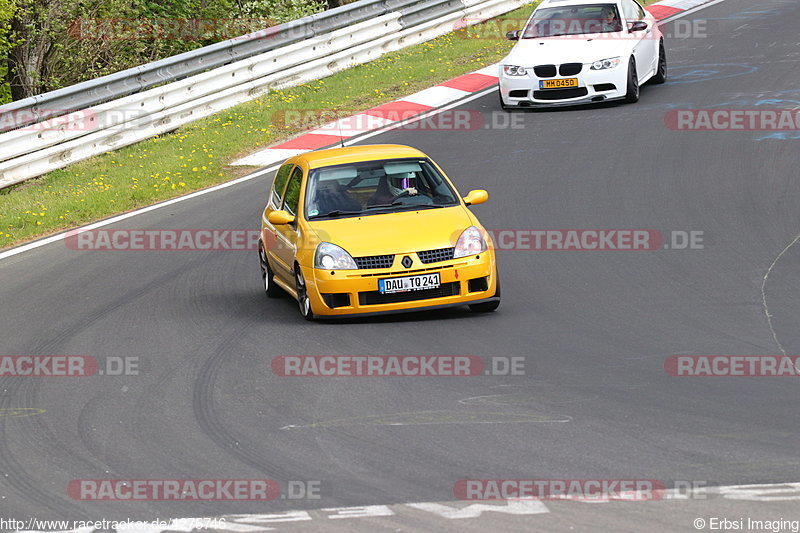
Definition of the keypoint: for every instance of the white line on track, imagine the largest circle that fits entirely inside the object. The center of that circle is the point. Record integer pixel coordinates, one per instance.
(764, 293)
(760, 493)
(676, 16)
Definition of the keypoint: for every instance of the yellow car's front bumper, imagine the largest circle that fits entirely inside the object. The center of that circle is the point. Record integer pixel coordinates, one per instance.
(343, 293)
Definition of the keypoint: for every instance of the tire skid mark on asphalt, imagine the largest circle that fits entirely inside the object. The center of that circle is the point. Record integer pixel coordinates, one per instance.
(86, 318)
(210, 422)
(38, 435)
(16, 477)
(764, 294)
(22, 391)
(140, 418)
(45, 439)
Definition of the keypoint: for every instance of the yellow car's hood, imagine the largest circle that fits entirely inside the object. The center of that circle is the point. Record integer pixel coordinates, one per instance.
(395, 233)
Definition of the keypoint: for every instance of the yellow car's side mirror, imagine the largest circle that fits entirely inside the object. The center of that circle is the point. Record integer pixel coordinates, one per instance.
(280, 217)
(476, 197)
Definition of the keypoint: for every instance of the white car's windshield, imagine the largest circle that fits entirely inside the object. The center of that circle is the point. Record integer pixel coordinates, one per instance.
(375, 187)
(573, 20)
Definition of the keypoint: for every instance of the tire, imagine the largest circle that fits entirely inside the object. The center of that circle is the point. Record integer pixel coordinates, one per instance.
(270, 288)
(632, 96)
(487, 307)
(661, 70)
(302, 294)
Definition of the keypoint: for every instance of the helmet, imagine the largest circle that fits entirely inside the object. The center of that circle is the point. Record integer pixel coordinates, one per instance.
(401, 181)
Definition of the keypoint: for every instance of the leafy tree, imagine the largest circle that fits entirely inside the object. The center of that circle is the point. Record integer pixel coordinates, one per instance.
(57, 43)
(7, 10)
(282, 10)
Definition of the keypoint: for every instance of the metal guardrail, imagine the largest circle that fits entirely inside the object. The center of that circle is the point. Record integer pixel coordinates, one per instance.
(92, 92)
(132, 105)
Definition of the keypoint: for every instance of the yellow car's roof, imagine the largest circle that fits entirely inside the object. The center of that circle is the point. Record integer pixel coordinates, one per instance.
(354, 154)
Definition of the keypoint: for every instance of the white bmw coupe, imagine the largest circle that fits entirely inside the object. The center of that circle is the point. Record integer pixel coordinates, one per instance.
(582, 51)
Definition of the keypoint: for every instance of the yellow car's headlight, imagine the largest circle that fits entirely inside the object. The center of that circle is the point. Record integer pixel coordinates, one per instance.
(331, 257)
(470, 242)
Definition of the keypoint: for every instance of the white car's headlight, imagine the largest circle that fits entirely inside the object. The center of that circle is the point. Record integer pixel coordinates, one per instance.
(513, 70)
(470, 242)
(604, 64)
(331, 257)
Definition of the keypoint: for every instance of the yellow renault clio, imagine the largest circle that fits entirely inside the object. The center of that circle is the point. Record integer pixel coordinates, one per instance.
(374, 229)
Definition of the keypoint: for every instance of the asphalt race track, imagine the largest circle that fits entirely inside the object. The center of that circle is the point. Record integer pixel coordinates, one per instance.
(594, 328)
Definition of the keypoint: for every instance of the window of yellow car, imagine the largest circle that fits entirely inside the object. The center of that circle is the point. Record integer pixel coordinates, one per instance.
(292, 197)
(280, 184)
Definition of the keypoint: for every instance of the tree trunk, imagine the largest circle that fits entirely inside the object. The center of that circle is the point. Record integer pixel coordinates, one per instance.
(33, 29)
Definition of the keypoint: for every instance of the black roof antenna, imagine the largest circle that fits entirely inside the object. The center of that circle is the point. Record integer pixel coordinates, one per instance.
(339, 123)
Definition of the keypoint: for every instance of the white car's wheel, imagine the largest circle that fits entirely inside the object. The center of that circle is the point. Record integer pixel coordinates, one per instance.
(632, 95)
(661, 70)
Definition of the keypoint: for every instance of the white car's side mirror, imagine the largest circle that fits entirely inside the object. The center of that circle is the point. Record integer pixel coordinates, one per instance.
(637, 25)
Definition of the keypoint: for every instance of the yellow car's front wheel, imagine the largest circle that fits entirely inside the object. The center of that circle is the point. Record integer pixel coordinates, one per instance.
(270, 287)
(302, 294)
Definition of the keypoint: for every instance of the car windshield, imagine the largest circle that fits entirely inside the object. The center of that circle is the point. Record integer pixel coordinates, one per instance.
(573, 20)
(376, 187)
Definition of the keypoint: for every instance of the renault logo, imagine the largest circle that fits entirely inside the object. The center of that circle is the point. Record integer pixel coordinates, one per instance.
(407, 262)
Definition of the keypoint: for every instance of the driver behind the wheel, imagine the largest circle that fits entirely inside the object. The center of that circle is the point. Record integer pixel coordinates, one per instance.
(608, 19)
(392, 186)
